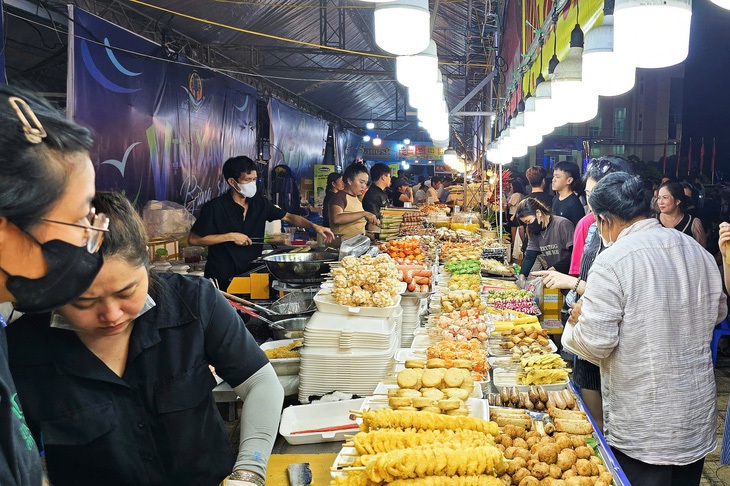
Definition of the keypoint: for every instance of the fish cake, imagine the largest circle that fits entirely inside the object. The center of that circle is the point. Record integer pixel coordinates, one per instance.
(449, 404)
(415, 363)
(462, 363)
(422, 402)
(407, 393)
(407, 378)
(459, 393)
(431, 378)
(459, 412)
(453, 378)
(435, 363)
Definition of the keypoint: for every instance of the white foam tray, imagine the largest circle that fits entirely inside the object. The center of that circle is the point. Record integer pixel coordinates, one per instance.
(318, 415)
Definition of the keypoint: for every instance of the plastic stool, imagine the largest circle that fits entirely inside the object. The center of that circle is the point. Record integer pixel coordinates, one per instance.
(722, 329)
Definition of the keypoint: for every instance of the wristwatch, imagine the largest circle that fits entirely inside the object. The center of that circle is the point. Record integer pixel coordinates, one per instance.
(247, 476)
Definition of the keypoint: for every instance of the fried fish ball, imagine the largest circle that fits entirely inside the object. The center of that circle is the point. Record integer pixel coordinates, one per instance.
(449, 404)
(506, 479)
(583, 467)
(435, 363)
(514, 431)
(595, 460)
(529, 481)
(564, 442)
(530, 443)
(421, 402)
(577, 441)
(606, 477)
(408, 393)
(570, 473)
(431, 378)
(566, 459)
(520, 442)
(540, 470)
(453, 378)
(516, 464)
(519, 475)
(583, 452)
(523, 453)
(415, 363)
(459, 393)
(548, 453)
(407, 378)
(397, 402)
(505, 440)
(555, 471)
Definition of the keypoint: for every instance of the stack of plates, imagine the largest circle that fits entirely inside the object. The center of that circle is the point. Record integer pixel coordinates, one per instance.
(412, 309)
(347, 353)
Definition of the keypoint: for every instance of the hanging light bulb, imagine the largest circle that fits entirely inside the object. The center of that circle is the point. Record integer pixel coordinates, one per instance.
(607, 73)
(441, 144)
(652, 33)
(366, 138)
(421, 67)
(722, 3)
(450, 156)
(370, 125)
(537, 121)
(569, 93)
(550, 113)
(403, 27)
(377, 141)
(406, 141)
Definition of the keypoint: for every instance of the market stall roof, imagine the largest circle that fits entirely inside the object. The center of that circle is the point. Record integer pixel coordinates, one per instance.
(317, 52)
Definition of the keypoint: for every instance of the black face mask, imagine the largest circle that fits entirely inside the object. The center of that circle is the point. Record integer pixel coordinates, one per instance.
(535, 227)
(71, 270)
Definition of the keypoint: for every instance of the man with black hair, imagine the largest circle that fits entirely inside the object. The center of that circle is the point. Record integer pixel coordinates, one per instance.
(432, 195)
(376, 198)
(228, 222)
(566, 181)
(536, 177)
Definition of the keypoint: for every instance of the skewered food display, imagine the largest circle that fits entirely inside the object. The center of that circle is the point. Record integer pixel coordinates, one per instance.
(437, 390)
(465, 282)
(385, 418)
(457, 252)
(495, 267)
(414, 223)
(366, 281)
(459, 300)
(524, 341)
(456, 353)
(417, 277)
(517, 300)
(536, 398)
(386, 440)
(542, 370)
(462, 326)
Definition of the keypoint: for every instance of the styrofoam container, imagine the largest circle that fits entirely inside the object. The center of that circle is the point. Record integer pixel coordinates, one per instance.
(315, 416)
(283, 366)
(327, 303)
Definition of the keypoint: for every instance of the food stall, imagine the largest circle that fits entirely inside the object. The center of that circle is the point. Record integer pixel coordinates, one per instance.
(480, 374)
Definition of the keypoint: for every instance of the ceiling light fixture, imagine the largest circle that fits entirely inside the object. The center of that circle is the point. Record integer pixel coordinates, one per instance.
(366, 138)
(406, 141)
(370, 125)
(607, 73)
(450, 156)
(410, 70)
(377, 141)
(652, 33)
(403, 27)
(722, 3)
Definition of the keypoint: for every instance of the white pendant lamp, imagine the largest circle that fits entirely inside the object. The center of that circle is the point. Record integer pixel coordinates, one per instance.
(423, 92)
(607, 73)
(569, 93)
(409, 70)
(652, 33)
(722, 3)
(403, 27)
(450, 156)
(441, 144)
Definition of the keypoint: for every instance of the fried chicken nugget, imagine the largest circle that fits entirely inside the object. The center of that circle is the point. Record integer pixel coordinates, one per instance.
(529, 481)
(584, 452)
(540, 470)
(548, 454)
(566, 459)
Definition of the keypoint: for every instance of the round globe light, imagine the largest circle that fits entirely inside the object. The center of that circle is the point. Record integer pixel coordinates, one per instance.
(722, 3)
(652, 33)
(604, 71)
(410, 70)
(403, 27)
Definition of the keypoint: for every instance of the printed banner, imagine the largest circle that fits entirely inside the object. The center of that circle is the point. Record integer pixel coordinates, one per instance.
(391, 150)
(162, 127)
(298, 140)
(320, 181)
(348, 145)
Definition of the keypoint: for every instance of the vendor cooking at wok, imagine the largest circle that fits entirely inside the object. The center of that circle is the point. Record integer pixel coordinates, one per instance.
(228, 222)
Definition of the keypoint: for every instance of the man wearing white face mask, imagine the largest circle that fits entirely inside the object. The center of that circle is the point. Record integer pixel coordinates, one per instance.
(228, 222)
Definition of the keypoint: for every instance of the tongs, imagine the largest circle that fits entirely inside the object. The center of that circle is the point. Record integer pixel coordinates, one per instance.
(248, 302)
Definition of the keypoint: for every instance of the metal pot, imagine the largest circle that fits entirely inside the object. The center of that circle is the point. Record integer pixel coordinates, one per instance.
(300, 267)
(289, 328)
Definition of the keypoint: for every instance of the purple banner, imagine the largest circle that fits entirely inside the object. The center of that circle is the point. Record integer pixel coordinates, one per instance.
(162, 126)
(298, 140)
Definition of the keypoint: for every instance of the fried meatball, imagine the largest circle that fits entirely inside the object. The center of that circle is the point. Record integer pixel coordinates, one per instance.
(510, 430)
(564, 442)
(505, 440)
(596, 460)
(584, 452)
(548, 453)
(519, 475)
(583, 467)
(606, 477)
(506, 479)
(566, 459)
(568, 474)
(600, 483)
(529, 481)
(509, 452)
(523, 453)
(540, 470)
(516, 464)
(500, 447)
(577, 441)
(547, 440)
(531, 441)
(555, 471)
(552, 482)
(532, 433)
(520, 442)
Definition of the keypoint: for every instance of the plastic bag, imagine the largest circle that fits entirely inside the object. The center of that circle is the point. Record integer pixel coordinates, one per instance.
(167, 220)
(535, 285)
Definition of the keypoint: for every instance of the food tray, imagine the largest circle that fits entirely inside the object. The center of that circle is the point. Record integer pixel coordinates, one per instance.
(478, 407)
(327, 303)
(499, 352)
(317, 415)
(382, 389)
(283, 366)
(509, 379)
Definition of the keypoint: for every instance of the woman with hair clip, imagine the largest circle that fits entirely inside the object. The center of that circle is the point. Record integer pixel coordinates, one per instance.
(550, 237)
(646, 319)
(119, 385)
(49, 240)
(586, 375)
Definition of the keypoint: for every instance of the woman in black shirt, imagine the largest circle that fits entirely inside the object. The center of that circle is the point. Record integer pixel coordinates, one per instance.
(334, 185)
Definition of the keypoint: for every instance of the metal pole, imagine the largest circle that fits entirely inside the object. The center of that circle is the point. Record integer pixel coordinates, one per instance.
(501, 223)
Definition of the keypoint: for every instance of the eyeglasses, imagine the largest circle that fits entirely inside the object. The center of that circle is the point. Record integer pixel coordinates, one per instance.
(603, 166)
(93, 232)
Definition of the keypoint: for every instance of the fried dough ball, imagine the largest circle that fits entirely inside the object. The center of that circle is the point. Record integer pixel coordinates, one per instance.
(516, 464)
(520, 442)
(533, 433)
(564, 442)
(547, 440)
(500, 447)
(555, 471)
(540, 470)
(531, 441)
(583, 452)
(548, 453)
(600, 483)
(566, 459)
(568, 474)
(552, 482)
(523, 453)
(506, 479)
(529, 481)
(520, 475)
(506, 440)
(583, 467)
(577, 441)
(606, 477)
(580, 481)
(509, 451)
(514, 431)
(596, 460)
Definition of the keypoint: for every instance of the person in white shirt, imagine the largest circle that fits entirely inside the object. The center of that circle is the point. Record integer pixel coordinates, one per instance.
(432, 195)
(646, 318)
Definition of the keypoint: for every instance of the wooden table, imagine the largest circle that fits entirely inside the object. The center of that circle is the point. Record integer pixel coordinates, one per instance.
(320, 464)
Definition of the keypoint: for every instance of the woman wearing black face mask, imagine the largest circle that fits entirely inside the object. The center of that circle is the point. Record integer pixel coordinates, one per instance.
(551, 237)
(49, 237)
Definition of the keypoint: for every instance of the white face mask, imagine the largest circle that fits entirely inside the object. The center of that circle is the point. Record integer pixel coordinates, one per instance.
(248, 189)
(606, 243)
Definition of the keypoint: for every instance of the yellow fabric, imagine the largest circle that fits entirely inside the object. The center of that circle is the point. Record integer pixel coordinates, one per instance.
(320, 464)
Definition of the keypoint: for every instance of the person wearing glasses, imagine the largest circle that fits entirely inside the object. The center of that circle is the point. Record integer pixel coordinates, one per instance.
(117, 384)
(49, 241)
(586, 375)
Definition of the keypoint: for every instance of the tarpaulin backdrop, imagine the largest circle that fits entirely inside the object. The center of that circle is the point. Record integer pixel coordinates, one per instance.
(162, 130)
(347, 145)
(298, 139)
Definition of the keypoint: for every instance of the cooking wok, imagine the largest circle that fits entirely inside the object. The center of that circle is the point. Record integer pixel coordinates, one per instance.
(300, 267)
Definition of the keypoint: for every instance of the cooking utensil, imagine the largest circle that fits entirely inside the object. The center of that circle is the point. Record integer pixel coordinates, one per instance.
(251, 313)
(355, 246)
(289, 328)
(249, 303)
(307, 267)
(294, 304)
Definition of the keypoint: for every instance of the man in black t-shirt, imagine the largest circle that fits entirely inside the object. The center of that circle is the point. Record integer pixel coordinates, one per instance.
(228, 222)
(566, 181)
(376, 197)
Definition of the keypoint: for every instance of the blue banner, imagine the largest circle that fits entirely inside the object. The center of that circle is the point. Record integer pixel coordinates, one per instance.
(348, 144)
(162, 127)
(298, 140)
(3, 75)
